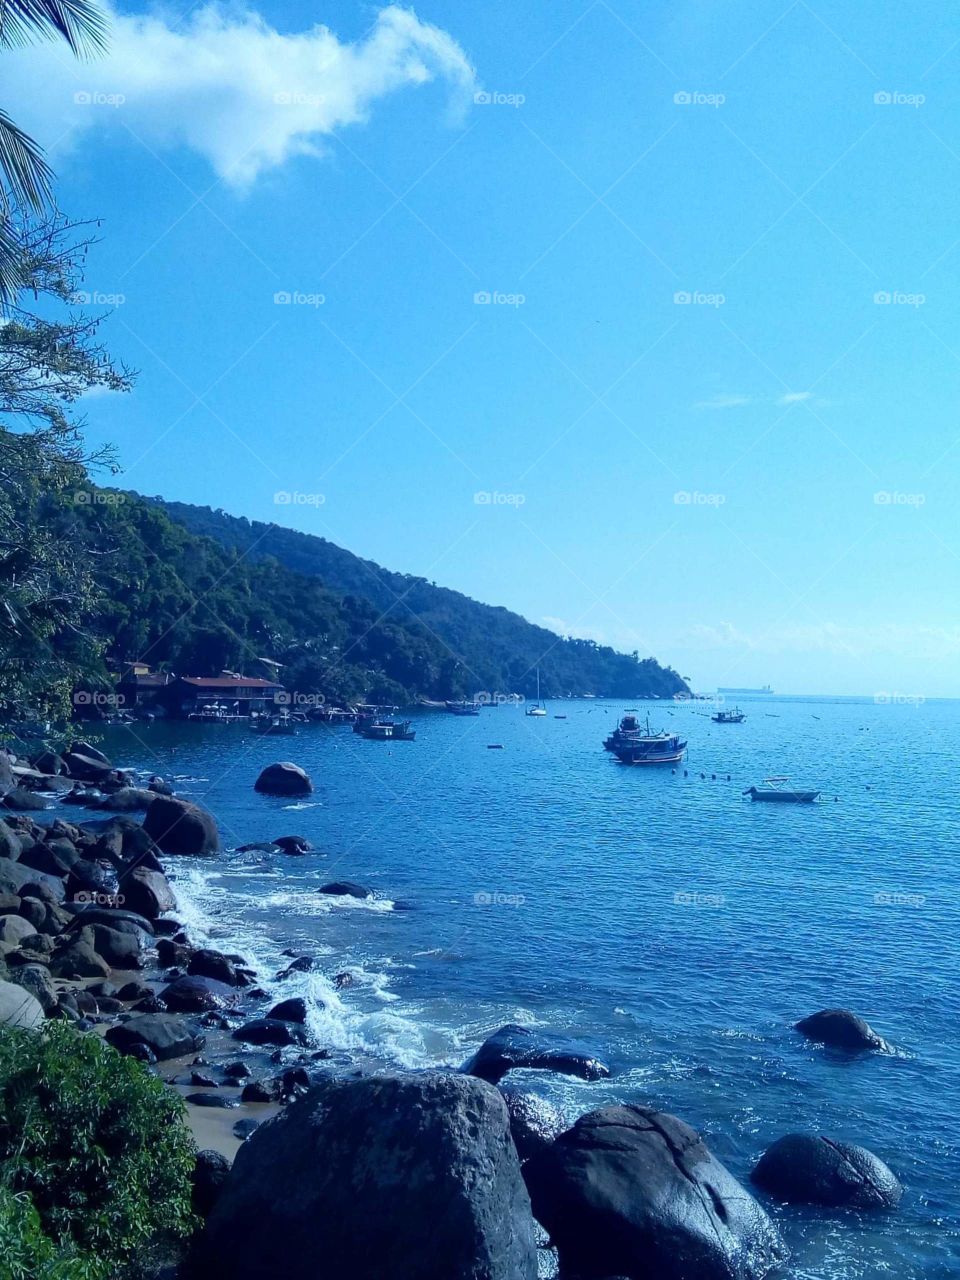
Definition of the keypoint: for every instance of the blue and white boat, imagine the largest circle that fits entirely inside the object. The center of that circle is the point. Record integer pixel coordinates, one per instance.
(626, 730)
(646, 747)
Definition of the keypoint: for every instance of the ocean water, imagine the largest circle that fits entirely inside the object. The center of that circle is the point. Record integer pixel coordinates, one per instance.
(656, 913)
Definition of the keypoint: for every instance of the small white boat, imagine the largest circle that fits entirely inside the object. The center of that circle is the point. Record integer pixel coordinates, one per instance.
(538, 709)
(775, 790)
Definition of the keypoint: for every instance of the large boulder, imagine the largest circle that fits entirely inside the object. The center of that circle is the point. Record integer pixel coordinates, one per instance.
(634, 1193)
(120, 948)
(198, 995)
(411, 1177)
(86, 768)
(514, 1046)
(22, 801)
(126, 800)
(841, 1029)
(209, 1178)
(13, 929)
(164, 1034)
(18, 1008)
(176, 826)
(53, 858)
(80, 958)
(10, 843)
(206, 963)
(6, 773)
(284, 779)
(148, 893)
(270, 1031)
(534, 1122)
(804, 1168)
(346, 889)
(16, 878)
(35, 978)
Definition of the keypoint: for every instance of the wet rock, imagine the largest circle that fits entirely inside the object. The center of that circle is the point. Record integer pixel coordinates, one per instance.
(177, 826)
(198, 995)
(209, 1176)
(346, 889)
(148, 893)
(243, 1128)
(89, 881)
(19, 1007)
(213, 964)
(131, 991)
(534, 1122)
(343, 980)
(293, 844)
(237, 1071)
(10, 843)
(160, 787)
(112, 917)
(212, 1100)
(291, 1083)
(256, 1091)
(269, 1031)
(416, 1168)
(294, 1010)
(803, 1168)
(514, 1046)
(172, 953)
(166, 1035)
(302, 964)
(104, 988)
(841, 1029)
(149, 1004)
(283, 779)
(108, 1006)
(633, 1192)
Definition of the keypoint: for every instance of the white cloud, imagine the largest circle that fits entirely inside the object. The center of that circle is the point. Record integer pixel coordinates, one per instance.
(228, 85)
(795, 397)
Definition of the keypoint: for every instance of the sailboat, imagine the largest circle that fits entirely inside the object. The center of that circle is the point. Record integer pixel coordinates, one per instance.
(538, 709)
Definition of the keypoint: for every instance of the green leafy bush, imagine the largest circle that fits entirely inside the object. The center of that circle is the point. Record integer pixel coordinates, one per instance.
(95, 1161)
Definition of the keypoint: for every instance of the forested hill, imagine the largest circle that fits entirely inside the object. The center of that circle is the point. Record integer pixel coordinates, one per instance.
(489, 648)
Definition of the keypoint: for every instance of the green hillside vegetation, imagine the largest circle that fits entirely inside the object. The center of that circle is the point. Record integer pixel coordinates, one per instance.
(486, 648)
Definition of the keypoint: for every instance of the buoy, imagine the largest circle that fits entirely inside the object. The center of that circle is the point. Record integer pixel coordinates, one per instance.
(494, 746)
(686, 773)
(703, 775)
(713, 777)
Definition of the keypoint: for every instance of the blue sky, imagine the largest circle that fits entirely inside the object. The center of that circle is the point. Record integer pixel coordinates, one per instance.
(712, 402)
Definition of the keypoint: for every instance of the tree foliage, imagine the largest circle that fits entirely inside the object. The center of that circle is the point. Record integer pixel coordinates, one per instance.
(95, 1160)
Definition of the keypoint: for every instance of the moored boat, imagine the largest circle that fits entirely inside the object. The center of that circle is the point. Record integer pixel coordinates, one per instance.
(647, 747)
(629, 727)
(463, 708)
(736, 716)
(389, 731)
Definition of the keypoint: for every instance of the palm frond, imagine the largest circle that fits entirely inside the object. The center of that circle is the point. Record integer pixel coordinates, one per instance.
(82, 23)
(23, 170)
(11, 264)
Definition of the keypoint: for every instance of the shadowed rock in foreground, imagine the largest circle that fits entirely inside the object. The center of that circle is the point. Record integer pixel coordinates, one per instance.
(407, 1177)
(635, 1193)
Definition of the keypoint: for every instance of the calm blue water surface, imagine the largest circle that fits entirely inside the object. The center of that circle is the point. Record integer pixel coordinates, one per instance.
(663, 917)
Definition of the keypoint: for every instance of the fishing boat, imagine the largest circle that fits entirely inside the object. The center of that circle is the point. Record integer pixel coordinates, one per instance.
(628, 728)
(538, 709)
(389, 731)
(282, 724)
(647, 747)
(776, 790)
(463, 708)
(736, 716)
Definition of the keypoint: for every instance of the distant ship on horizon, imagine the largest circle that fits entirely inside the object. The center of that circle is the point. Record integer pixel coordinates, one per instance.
(745, 693)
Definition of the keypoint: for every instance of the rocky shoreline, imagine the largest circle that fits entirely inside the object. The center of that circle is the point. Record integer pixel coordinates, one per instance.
(453, 1173)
